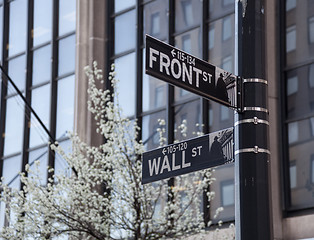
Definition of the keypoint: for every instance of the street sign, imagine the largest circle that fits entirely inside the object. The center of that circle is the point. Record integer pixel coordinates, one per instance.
(190, 73)
(195, 154)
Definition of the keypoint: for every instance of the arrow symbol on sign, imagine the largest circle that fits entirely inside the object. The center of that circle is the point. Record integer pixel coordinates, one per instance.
(164, 151)
(173, 53)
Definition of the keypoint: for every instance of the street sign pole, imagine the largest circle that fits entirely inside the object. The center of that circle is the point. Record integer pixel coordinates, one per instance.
(252, 126)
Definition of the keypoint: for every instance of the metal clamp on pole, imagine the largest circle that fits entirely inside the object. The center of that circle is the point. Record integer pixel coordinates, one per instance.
(255, 150)
(254, 120)
(255, 80)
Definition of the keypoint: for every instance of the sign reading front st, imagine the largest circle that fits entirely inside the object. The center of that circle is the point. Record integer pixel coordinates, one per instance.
(190, 73)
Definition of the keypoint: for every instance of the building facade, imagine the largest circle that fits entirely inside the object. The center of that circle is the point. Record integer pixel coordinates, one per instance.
(45, 53)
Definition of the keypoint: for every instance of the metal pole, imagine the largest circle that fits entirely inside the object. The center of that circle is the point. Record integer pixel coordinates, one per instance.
(252, 126)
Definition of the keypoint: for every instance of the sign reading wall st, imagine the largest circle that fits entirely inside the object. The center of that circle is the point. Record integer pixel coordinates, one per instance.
(195, 154)
(190, 73)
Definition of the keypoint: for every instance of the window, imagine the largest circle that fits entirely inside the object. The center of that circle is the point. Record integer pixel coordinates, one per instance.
(186, 43)
(312, 169)
(67, 16)
(30, 67)
(40, 101)
(227, 193)
(226, 28)
(290, 4)
(187, 12)
(65, 110)
(224, 113)
(66, 55)
(311, 29)
(227, 64)
(17, 72)
(293, 175)
(42, 65)
(211, 37)
(42, 21)
(155, 29)
(227, 2)
(14, 126)
(312, 125)
(159, 96)
(125, 68)
(293, 134)
(311, 75)
(120, 5)
(124, 31)
(291, 37)
(292, 85)
(17, 32)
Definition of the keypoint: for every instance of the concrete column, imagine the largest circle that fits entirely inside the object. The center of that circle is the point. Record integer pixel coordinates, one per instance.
(90, 46)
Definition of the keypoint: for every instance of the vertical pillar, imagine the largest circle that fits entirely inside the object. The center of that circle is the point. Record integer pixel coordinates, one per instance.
(251, 126)
(91, 40)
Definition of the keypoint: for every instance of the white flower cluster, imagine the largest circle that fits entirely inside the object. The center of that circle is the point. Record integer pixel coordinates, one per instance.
(104, 198)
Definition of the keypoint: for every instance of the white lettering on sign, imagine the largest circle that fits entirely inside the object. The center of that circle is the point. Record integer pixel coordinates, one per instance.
(155, 164)
(196, 151)
(182, 67)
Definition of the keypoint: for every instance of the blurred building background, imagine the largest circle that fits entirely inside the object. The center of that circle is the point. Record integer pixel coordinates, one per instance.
(44, 46)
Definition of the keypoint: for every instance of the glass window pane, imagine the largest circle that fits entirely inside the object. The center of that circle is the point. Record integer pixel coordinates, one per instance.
(224, 113)
(218, 8)
(120, 5)
(311, 76)
(300, 94)
(41, 104)
(290, 4)
(41, 65)
(125, 69)
(151, 128)
(227, 193)
(292, 85)
(66, 63)
(190, 115)
(299, 32)
(61, 165)
(125, 32)
(156, 19)
(42, 21)
(217, 113)
(65, 106)
(293, 132)
(154, 91)
(221, 42)
(17, 72)
(300, 154)
(224, 193)
(226, 28)
(11, 168)
(291, 38)
(40, 156)
(293, 175)
(311, 29)
(18, 23)
(67, 16)
(312, 169)
(211, 38)
(14, 125)
(187, 14)
(227, 64)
